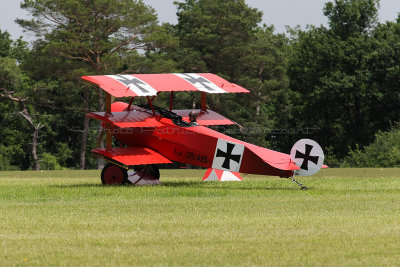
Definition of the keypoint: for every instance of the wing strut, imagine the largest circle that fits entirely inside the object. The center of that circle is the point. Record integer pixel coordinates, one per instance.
(108, 126)
(203, 101)
(171, 100)
(130, 103)
(151, 105)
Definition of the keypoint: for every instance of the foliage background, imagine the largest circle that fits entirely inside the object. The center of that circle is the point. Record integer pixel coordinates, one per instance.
(338, 85)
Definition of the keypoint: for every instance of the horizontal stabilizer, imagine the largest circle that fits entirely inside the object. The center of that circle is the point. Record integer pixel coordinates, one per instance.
(130, 156)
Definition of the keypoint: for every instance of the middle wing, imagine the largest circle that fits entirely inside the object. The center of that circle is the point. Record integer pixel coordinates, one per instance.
(205, 118)
(127, 119)
(135, 118)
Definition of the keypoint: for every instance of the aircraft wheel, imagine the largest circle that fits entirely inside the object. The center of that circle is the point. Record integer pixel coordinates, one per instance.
(113, 175)
(149, 169)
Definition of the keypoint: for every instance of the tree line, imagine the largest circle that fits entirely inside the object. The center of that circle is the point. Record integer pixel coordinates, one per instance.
(336, 84)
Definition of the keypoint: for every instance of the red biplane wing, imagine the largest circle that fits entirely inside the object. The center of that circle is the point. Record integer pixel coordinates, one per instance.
(134, 118)
(151, 84)
(132, 155)
(127, 119)
(205, 118)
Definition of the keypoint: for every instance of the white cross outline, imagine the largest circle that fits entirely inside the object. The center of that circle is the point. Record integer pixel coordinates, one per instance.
(200, 86)
(133, 87)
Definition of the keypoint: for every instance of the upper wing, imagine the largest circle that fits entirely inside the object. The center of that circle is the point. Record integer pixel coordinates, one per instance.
(151, 84)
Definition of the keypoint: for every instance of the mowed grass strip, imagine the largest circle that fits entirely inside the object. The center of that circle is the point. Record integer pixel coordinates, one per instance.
(64, 218)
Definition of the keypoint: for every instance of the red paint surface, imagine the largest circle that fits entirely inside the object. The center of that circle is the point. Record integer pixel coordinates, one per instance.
(132, 155)
(161, 83)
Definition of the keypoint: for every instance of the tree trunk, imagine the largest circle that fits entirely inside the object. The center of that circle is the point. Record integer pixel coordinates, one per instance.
(100, 102)
(35, 135)
(100, 138)
(82, 156)
(35, 157)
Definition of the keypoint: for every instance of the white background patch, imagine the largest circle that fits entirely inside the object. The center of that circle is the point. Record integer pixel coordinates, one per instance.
(201, 83)
(308, 155)
(138, 86)
(228, 156)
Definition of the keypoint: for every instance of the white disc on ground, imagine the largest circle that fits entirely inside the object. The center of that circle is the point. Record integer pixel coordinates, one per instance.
(308, 155)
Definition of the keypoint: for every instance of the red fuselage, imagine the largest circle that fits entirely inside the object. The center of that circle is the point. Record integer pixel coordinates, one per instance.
(196, 145)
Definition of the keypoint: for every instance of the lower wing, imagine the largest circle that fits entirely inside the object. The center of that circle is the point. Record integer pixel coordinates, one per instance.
(130, 156)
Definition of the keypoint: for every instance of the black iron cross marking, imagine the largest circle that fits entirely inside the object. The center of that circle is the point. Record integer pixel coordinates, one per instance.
(205, 83)
(307, 157)
(228, 155)
(136, 82)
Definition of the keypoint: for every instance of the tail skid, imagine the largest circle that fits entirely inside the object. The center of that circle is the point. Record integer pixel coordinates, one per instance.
(298, 183)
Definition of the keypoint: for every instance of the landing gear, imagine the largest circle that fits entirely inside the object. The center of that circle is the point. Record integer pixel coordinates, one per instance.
(144, 175)
(113, 175)
(151, 170)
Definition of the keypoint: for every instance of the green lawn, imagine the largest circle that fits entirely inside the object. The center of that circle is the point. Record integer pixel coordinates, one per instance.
(66, 218)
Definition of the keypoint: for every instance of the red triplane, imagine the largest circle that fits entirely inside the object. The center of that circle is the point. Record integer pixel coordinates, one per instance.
(149, 135)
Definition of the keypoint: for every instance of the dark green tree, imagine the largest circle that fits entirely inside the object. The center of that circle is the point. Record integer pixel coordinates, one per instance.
(349, 17)
(383, 152)
(14, 87)
(385, 75)
(336, 74)
(223, 37)
(91, 37)
(214, 33)
(263, 71)
(5, 44)
(14, 130)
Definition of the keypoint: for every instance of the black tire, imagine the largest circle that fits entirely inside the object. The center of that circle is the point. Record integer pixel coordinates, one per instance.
(113, 175)
(149, 169)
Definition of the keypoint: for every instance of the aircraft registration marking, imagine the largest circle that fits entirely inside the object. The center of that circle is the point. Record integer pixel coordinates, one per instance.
(190, 155)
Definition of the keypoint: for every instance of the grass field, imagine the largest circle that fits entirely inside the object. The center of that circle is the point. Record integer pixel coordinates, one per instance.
(348, 217)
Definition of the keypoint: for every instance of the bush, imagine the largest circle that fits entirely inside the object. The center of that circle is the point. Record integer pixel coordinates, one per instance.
(383, 152)
(6, 158)
(4, 163)
(49, 162)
